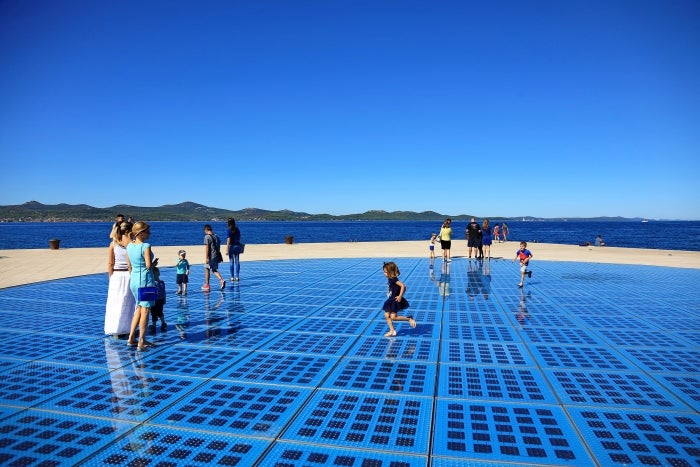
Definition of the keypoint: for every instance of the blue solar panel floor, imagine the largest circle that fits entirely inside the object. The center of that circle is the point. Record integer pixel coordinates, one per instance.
(587, 365)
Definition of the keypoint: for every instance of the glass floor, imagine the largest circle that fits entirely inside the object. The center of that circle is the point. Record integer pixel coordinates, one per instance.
(588, 364)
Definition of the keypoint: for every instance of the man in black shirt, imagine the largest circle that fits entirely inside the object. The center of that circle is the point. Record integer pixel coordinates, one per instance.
(473, 237)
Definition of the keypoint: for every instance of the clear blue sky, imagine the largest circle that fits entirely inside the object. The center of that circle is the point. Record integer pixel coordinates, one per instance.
(506, 108)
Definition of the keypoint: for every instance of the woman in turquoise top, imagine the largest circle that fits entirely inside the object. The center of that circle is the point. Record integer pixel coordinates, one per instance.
(140, 259)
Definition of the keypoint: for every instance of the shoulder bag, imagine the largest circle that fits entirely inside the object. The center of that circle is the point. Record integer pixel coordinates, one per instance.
(216, 246)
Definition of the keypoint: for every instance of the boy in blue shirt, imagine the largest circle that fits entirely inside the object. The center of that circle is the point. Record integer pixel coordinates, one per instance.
(183, 273)
(524, 255)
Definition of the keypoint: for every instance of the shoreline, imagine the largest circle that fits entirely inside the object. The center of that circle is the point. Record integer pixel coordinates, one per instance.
(28, 266)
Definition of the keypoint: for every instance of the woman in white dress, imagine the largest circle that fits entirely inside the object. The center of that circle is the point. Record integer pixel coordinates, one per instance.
(120, 301)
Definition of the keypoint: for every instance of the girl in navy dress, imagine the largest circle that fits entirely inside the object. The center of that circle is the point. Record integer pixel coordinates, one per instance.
(396, 300)
(486, 238)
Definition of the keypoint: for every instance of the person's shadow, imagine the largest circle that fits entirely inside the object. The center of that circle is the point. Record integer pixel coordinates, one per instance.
(182, 317)
(443, 283)
(234, 310)
(474, 284)
(212, 317)
(486, 280)
(522, 315)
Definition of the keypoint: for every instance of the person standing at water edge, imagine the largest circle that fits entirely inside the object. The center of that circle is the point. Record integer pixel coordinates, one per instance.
(523, 255)
(486, 238)
(395, 301)
(504, 232)
(119, 310)
(446, 239)
(599, 241)
(212, 246)
(140, 260)
(233, 248)
(497, 233)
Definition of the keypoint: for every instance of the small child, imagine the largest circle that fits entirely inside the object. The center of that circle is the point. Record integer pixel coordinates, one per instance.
(157, 308)
(183, 273)
(396, 300)
(524, 255)
(431, 246)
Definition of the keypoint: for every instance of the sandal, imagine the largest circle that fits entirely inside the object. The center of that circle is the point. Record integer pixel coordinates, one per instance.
(412, 322)
(390, 334)
(130, 343)
(147, 344)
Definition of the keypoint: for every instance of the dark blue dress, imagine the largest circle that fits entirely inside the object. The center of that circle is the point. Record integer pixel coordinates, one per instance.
(391, 305)
(486, 236)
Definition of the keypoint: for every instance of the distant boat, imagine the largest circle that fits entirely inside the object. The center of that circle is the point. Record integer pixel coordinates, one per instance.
(644, 220)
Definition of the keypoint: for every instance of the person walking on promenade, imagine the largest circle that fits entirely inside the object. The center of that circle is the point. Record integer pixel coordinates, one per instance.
(119, 310)
(182, 271)
(117, 223)
(140, 261)
(431, 245)
(523, 255)
(472, 232)
(396, 300)
(486, 238)
(446, 239)
(234, 248)
(504, 232)
(212, 253)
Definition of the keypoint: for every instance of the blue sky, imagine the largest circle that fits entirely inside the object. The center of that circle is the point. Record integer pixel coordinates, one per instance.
(507, 108)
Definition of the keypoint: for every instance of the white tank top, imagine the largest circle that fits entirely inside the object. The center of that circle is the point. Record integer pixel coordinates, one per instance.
(119, 257)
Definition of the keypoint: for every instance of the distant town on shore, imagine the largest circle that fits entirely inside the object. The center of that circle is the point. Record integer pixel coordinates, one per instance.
(33, 211)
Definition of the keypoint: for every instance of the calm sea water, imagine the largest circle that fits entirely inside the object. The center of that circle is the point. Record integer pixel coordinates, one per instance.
(676, 235)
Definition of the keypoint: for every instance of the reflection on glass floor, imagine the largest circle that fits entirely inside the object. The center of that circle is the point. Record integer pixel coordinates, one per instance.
(588, 364)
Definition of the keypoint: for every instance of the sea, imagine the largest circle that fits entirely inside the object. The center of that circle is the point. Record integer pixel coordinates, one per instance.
(663, 235)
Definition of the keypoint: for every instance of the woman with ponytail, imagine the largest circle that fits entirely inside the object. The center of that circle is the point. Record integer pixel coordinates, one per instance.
(119, 310)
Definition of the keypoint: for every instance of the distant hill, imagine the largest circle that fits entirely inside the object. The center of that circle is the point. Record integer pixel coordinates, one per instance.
(33, 211)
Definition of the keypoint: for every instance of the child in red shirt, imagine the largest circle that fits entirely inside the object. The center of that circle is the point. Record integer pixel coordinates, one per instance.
(523, 255)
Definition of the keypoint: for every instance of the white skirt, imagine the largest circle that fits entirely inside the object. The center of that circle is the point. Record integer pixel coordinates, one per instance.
(120, 304)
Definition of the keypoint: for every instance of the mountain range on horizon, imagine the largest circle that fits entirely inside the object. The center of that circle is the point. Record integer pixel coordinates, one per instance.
(34, 211)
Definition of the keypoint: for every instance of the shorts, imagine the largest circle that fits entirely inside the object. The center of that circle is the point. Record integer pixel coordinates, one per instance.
(182, 279)
(213, 265)
(473, 243)
(523, 268)
(445, 244)
(432, 247)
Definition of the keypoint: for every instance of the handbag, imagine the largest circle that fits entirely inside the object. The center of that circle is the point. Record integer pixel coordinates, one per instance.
(148, 293)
